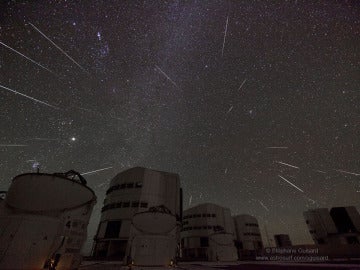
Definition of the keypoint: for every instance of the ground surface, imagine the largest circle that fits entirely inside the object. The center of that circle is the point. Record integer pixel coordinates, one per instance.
(227, 266)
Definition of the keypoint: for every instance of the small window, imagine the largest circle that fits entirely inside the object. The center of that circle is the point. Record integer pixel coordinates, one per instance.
(208, 215)
(204, 227)
(118, 205)
(143, 204)
(203, 215)
(138, 184)
(213, 215)
(129, 185)
(321, 241)
(126, 204)
(135, 204)
(112, 229)
(123, 185)
(204, 241)
(198, 215)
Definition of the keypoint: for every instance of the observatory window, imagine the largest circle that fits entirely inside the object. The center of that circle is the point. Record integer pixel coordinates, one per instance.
(113, 229)
(135, 204)
(203, 215)
(204, 241)
(208, 215)
(126, 204)
(213, 215)
(138, 184)
(123, 185)
(198, 215)
(129, 185)
(118, 205)
(144, 205)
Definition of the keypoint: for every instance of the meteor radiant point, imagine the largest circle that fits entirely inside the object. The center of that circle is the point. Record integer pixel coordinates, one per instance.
(28, 58)
(283, 178)
(61, 50)
(33, 99)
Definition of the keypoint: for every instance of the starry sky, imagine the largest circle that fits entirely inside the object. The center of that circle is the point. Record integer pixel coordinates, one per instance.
(255, 104)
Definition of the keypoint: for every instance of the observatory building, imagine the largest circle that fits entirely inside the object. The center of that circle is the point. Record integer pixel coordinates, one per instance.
(248, 237)
(340, 226)
(141, 218)
(208, 234)
(43, 221)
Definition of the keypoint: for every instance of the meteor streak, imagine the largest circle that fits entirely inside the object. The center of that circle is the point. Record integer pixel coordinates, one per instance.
(352, 173)
(277, 147)
(42, 139)
(263, 205)
(167, 77)
(12, 145)
(91, 172)
(230, 109)
(283, 178)
(226, 26)
(28, 58)
(34, 99)
(242, 84)
(286, 164)
(53, 43)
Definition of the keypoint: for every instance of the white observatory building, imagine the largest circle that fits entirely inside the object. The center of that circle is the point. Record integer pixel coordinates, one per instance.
(208, 234)
(43, 221)
(140, 221)
(248, 237)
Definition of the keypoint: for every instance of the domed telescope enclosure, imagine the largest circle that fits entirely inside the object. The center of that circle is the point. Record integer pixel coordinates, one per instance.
(43, 223)
(153, 238)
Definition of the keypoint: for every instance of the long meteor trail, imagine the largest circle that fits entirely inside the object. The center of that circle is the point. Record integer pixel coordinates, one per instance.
(226, 27)
(277, 147)
(283, 178)
(99, 170)
(28, 58)
(33, 99)
(352, 173)
(61, 50)
(167, 77)
(286, 164)
(13, 145)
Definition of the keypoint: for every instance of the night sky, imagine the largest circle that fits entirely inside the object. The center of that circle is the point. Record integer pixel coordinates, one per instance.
(255, 104)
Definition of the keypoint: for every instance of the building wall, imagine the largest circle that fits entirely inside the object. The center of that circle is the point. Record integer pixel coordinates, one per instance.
(320, 224)
(247, 233)
(200, 223)
(340, 226)
(132, 191)
(282, 240)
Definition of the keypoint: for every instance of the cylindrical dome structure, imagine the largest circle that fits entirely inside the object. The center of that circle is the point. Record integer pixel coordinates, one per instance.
(130, 193)
(44, 221)
(152, 241)
(208, 234)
